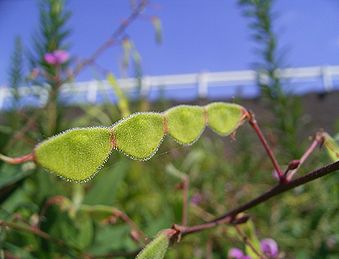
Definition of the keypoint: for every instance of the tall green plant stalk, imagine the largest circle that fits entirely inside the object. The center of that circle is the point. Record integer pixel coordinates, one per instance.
(15, 79)
(286, 108)
(52, 36)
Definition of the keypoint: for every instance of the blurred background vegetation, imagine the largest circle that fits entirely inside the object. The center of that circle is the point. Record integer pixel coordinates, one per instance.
(223, 173)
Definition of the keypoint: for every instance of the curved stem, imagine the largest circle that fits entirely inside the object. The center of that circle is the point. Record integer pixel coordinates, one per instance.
(230, 216)
(253, 122)
(17, 160)
(317, 141)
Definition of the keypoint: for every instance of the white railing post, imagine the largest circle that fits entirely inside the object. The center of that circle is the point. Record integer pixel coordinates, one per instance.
(3, 93)
(202, 85)
(92, 92)
(145, 86)
(327, 79)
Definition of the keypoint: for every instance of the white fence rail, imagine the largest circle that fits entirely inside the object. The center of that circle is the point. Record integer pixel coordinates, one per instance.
(327, 77)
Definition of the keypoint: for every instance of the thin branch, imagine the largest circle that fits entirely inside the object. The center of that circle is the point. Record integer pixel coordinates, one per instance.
(114, 37)
(229, 217)
(138, 234)
(252, 121)
(17, 160)
(37, 232)
(318, 141)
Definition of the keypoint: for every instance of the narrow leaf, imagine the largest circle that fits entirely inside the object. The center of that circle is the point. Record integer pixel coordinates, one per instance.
(122, 100)
(158, 29)
(332, 147)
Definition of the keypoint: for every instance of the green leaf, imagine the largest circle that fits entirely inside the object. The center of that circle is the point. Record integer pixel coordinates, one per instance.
(103, 193)
(139, 135)
(332, 147)
(249, 231)
(158, 247)
(76, 154)
(122, 100)
(10, 174)
(224, 118)
(185, 123)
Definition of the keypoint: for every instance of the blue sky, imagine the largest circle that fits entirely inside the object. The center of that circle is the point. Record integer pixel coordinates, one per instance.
(199, 35)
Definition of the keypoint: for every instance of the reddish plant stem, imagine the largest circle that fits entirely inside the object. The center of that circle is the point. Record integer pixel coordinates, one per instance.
(114, 37)
(17, 160)
(229, 217)
(252, 121)
(134, 227)
(318, 141)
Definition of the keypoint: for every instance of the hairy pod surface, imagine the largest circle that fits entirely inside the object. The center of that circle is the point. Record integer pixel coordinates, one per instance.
(157, 248)
(224, 118)
(185, 123)
(139, 135)
(77, 154)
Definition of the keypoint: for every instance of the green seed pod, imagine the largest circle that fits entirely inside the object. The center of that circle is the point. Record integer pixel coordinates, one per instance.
(75, 154)
(224, 118)
(157, 248)
(332, 147)
(139, 135)
(185, 123)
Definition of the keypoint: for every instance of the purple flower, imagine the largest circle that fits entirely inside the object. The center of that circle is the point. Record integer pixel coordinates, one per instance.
(236, 253)
(269, 247)
(56, 57)
(196, 199)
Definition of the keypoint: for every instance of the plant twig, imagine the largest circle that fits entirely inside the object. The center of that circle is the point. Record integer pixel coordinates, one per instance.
(17, 160)
(252, 121)
(317, 141)
(114, 37)
(139, 235)
(229, 217)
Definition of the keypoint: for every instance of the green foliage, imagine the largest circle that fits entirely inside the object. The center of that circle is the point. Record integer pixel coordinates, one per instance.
(249, 231)
(157, 248)
(224, 118)
(75, 154)
(332, 147)
(139, 135)
(185, 123)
